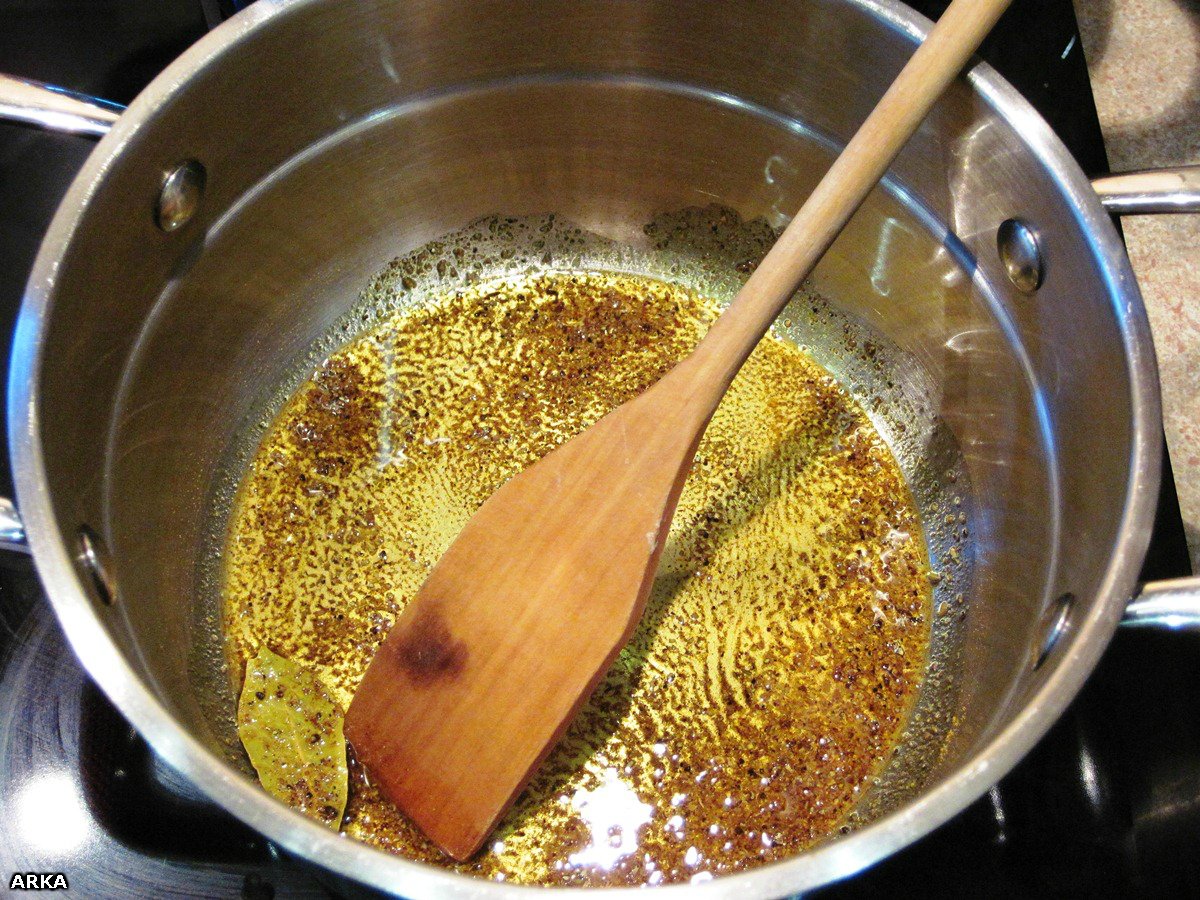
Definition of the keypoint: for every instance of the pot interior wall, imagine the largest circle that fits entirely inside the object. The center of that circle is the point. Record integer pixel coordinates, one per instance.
(414, 120)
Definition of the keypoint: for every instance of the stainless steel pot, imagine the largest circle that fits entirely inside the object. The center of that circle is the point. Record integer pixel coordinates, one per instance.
(232, 213)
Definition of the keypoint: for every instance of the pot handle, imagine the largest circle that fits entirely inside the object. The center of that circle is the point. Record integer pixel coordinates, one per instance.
(1175, 190)
(12, 530)
(42, 105)
(1172, 604)
(57, 109)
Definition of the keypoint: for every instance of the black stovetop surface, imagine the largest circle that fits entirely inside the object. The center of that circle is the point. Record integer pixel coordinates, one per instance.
(1108, 804)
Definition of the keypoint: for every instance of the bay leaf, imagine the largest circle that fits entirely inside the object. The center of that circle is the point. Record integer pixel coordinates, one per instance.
(292, 730)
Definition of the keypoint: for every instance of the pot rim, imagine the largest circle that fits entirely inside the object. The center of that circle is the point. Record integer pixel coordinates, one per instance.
(841, 857)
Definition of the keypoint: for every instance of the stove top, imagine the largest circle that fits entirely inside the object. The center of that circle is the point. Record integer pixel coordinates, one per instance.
(1108, 804)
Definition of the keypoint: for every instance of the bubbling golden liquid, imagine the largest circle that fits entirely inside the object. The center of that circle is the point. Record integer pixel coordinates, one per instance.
(786, 633)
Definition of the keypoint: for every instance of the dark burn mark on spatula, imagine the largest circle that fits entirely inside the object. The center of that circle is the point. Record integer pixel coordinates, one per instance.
(428, 652)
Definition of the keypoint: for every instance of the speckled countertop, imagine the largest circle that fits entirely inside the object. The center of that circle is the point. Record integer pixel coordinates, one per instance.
(1144, 60)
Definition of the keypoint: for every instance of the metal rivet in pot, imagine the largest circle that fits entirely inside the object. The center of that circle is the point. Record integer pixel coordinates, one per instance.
(93, 558)
(1021, 255)
(1054, 624)
(179, 198)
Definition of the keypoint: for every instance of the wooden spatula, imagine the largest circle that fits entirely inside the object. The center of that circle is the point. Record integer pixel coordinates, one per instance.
(519, 620)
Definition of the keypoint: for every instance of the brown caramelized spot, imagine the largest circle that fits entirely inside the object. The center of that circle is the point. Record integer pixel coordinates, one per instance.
(782, 644)
(428, 652)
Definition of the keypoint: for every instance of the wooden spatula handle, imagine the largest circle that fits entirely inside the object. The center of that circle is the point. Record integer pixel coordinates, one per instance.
(855, 172)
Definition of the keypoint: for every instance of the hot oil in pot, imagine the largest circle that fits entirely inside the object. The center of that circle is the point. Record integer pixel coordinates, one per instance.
(786, 633)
